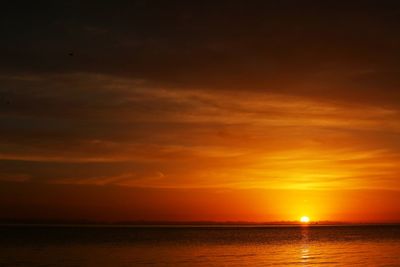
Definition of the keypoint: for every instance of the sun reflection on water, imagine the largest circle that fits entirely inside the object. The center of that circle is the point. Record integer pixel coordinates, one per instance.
(305, 247)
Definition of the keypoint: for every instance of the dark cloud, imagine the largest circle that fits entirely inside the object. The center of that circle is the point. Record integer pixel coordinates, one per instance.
(230, 44)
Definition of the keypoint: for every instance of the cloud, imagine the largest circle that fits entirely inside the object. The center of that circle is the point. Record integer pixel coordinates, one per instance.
(326, 50)
(97, 129)
(209, 95)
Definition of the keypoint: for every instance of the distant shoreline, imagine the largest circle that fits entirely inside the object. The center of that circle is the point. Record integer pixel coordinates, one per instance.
(193, 224)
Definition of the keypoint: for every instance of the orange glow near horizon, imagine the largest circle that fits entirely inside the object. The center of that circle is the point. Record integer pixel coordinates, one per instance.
(243, 156)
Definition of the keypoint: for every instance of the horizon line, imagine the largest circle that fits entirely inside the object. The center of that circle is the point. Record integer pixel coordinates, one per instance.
(49, 222)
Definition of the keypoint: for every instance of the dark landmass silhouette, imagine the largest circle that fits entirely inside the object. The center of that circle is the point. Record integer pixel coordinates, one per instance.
(55, 222)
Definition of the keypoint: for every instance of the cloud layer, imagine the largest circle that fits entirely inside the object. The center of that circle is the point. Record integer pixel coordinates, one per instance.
(96, 129)
(260, 95)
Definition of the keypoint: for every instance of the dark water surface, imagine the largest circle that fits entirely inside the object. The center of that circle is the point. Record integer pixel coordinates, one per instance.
(200, 246)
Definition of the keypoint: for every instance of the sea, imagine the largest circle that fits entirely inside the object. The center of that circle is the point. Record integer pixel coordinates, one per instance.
(312, 245)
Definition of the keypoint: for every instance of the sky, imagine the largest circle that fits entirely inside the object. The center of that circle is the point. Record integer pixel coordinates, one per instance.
(200, 111)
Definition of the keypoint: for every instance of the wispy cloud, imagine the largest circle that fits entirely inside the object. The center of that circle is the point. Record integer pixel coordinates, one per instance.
(196, 138)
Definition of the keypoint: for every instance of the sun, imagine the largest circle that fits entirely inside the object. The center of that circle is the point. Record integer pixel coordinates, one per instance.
(305, 219)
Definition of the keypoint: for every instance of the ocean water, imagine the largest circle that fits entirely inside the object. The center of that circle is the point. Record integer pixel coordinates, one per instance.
(200, 246)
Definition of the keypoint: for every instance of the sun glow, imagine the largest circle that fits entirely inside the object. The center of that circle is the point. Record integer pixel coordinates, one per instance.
(305, 219)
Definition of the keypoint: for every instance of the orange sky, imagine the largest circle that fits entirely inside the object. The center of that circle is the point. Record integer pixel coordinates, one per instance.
(259, 112)
(224, 156)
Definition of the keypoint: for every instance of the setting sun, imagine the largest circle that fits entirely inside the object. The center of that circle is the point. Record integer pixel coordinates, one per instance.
(305, 219)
